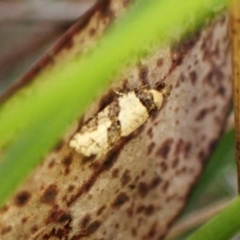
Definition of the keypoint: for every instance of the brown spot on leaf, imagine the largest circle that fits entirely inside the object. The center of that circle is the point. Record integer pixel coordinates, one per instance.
(152, 231)
(67, 162)
(58, 233)
(216, 50)
(49, 194)
(193, 77)
(131, 186)
(93, 227)
(179, 80)
(51, 164)
(140, 209)
(111, 158)
(201, 156)
(134, 232)
(143, 189)
(34, 228)
(149, 210)
(221, 91)
(100, 210)
(22, 198)
(58, 216)
(130, 211)
(159, 62)
(194, 99)
(163, 166)
(180, 50)
(143, 172)
(208, 79)
(217, 120)
(179, 146)
(183, 170)
(70, 188)
(150, 133)
(92, 32)
(24, 220)
(120, 200)
(4, 208)
(201, 114)
(85, 221)
(155, 182)
(6, 230)
(63, 217)
(165, 186)
(115, 173)
(165, 148)
(143, 74)
(175, 162)
(150, 147)
(187, 149)
(125, 179)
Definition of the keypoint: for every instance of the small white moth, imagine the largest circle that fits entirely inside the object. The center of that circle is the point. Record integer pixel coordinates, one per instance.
(120, 118)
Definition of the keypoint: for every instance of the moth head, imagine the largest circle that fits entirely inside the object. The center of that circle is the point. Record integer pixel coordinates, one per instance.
(160, 93)
(157, 97)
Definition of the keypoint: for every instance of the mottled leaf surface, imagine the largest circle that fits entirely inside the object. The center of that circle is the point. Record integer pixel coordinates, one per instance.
(141, 185)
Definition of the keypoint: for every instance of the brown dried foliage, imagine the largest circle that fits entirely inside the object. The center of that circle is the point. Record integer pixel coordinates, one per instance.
(141, 185)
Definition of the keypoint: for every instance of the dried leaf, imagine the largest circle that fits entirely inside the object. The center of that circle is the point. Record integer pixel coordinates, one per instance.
(141, 185)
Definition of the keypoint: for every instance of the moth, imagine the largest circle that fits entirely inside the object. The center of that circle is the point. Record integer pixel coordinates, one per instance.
(119, 119)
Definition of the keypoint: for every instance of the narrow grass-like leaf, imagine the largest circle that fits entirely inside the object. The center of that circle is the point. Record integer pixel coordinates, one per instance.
(224, 226)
